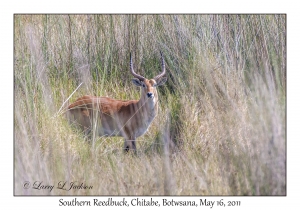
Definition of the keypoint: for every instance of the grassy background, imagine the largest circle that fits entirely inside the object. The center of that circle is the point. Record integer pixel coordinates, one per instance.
(221, 127)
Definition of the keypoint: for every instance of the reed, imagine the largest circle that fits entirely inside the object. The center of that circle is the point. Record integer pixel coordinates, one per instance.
(221, 127)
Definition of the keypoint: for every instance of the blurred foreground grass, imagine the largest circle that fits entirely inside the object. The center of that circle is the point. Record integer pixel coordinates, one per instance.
(221, 128)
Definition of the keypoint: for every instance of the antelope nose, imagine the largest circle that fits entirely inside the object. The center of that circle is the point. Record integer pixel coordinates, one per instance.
(150, 95)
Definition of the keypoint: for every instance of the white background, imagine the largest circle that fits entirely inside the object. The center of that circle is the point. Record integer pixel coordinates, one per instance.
(9, 8)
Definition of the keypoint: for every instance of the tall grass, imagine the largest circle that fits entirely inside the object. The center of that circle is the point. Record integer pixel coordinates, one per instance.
(221, 127)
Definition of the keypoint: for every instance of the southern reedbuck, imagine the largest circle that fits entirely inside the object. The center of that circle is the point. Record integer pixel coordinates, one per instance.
(130, 119)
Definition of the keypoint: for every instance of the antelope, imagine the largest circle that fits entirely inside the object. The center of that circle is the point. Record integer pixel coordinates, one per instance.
(125, 118)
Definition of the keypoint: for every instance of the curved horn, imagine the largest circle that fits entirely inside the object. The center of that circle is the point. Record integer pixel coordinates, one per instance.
(132, 71)
(162, 66)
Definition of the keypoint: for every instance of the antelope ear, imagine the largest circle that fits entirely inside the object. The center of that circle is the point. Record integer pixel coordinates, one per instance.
(161, 81)
(137, 82)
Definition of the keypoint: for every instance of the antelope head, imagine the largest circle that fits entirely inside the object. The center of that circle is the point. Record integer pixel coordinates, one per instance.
(149, 85)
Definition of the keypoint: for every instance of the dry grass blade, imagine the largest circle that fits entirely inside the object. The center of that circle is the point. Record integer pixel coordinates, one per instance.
(221, 125)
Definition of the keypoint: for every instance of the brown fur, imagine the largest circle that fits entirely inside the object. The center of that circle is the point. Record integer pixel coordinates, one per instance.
(127, 118)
